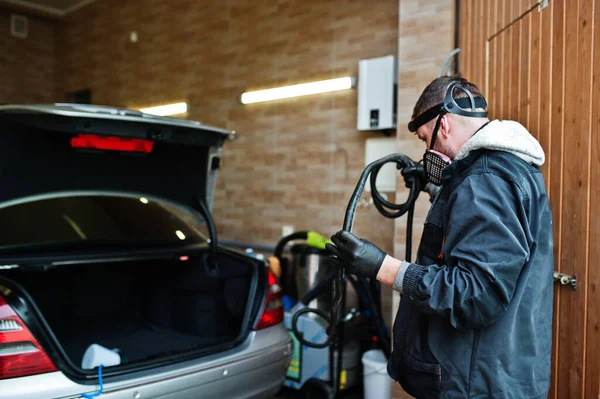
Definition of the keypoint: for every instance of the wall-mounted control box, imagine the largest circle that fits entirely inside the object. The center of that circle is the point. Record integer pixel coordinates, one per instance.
(377, 93)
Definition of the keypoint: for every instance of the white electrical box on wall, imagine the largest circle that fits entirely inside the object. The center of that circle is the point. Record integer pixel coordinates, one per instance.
(377, 93)
(377, 148)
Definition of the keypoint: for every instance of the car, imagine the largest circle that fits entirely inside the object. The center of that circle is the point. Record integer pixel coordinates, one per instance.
(112, 278)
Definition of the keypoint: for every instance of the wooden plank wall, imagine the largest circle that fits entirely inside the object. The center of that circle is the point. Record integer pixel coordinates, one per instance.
(539, 67)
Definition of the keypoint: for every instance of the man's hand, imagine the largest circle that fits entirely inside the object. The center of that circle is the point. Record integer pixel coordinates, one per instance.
(357, 256)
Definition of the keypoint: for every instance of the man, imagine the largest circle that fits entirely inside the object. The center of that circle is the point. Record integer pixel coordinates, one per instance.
(475, 318)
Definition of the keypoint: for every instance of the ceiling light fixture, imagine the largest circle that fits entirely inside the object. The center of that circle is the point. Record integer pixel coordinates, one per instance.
(167, 109)
(304, 89)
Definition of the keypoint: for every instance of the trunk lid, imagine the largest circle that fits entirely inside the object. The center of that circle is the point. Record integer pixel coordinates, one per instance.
(37, 155)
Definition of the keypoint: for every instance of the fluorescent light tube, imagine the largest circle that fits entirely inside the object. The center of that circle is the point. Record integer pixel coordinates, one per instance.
(304, 89)
(167, 109)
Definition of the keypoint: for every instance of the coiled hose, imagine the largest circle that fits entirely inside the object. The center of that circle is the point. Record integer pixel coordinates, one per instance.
(414, 179)
(412, 173)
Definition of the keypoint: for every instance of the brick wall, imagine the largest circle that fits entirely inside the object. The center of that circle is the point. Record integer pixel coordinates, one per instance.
(426, 37)
(295, 161)
(27, 71)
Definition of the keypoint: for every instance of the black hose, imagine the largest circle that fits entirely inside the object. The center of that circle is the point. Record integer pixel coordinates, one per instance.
(300, 336)
(413, 181)
(299, 235)
(402, 162)
(338, 346)
(381, 203)
(315, 292)
(412, 173)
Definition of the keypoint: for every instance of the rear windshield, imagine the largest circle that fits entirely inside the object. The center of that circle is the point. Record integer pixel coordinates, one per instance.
(97, 220)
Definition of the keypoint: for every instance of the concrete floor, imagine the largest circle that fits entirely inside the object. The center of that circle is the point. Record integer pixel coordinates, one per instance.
(287, 393)
(354, 393)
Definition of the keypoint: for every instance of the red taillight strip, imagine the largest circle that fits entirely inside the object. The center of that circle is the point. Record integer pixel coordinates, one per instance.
(110, 143)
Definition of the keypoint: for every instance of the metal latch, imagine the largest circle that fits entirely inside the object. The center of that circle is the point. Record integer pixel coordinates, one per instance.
(565, 279)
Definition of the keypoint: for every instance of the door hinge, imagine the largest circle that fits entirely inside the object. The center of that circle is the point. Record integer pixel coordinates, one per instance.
(565, 279)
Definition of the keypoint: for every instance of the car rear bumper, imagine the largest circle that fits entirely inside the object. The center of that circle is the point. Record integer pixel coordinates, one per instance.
(256, 369)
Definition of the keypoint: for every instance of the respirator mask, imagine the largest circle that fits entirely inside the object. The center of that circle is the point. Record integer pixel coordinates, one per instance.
(434, 162)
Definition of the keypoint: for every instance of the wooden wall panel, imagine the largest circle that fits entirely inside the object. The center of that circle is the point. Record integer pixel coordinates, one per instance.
(557, 86)
(592, 377)
(524, 71)
(492, 92)
(541, 68)
(482, 43)
(517, 9)
(465, 37)
(544, 71)
(523, 7)
(506, 72)
(535, 78)
(492, 12)
(475, 53)
(507, 13)
(514, 66)
(575, 197)
(500, 10)
(473, 50)
(507, 16)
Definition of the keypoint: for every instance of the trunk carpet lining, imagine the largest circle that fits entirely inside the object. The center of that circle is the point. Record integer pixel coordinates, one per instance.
(138, 308)
(134, 341)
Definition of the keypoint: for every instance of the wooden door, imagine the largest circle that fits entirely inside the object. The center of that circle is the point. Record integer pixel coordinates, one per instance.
(540, 65)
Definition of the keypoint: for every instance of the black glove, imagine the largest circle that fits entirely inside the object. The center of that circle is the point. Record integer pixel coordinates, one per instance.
(358, 256)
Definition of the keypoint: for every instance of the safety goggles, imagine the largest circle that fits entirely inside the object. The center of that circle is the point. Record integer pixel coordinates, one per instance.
(457, 106)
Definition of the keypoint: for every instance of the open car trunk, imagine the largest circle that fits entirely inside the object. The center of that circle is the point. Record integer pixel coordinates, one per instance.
(147, 309)
(84, 183)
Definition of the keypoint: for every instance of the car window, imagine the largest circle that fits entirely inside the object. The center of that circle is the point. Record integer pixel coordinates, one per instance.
(97, 218)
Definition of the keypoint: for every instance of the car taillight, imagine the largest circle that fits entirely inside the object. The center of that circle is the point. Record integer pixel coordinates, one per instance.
(110, 143)
(20, 353)
(273, 312)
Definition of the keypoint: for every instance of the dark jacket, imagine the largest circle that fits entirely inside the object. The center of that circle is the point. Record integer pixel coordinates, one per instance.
(475, 320)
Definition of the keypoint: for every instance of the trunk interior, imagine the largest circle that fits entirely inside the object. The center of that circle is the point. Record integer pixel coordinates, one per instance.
(145, 309)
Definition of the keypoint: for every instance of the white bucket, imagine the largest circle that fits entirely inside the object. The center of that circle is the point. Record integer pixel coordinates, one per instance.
(377, 383)
(96, 355)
